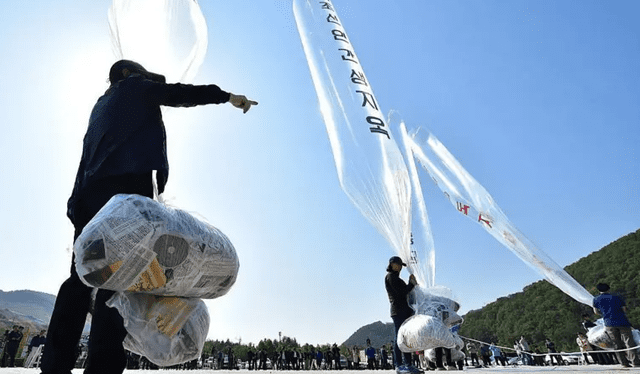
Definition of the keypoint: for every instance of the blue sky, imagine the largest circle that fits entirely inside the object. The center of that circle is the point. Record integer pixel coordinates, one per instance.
(538, 100)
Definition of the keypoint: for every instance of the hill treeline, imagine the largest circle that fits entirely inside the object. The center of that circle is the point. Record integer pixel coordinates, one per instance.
(543, 311)
(271, 347)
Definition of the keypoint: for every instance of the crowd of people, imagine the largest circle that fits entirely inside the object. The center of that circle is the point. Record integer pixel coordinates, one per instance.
(477, 354)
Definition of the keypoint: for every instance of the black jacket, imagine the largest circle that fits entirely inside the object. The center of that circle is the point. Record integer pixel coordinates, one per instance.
(126, 134)
(397, 290)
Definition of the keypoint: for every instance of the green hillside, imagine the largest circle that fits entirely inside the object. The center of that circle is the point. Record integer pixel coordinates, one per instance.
(543, 311)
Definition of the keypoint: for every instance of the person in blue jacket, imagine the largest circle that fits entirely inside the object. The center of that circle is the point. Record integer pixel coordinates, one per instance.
(124, 143)
(613, 311)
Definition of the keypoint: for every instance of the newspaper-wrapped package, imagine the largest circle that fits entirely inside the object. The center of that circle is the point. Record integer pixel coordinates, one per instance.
(137, 244)
(165, 329)
(431, 326)
(598, 336)
(456, 355)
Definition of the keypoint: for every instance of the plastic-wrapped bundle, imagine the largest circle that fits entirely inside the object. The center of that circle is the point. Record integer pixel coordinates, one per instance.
(137, 244)
(167, 330)
(431, 326)
(456, 355)
(598, 336)
(421, 332)
(427, 301)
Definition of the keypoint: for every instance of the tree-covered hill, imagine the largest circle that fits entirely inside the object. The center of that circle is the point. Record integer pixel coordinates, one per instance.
(543, 311)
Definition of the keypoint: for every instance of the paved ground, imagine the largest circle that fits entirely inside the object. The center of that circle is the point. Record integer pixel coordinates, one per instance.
(572, 369)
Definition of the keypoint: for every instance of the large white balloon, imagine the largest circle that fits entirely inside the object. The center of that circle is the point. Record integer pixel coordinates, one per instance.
(167, 37)
(369, 163)
(472, 200)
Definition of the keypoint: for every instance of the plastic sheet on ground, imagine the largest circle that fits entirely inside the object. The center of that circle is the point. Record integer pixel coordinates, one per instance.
(166, 330)
(137, 244)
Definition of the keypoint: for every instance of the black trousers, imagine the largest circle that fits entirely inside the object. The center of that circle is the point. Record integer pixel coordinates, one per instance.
(9, 355)
(106, 353)
(440, 352)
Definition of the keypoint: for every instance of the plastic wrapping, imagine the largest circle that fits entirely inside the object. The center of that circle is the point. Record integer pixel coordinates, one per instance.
(370, 166)
(598, 336)
(167, 37)
(456, 355)
(431, 326)
(472, 200)
(432, 301)
(421, 332)
(139, 245)
(422, 243)
(166, 330)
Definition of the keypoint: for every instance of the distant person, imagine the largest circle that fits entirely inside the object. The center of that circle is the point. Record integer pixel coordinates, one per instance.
(32, 351)
(384, 364)
(613, 311)
(355, 352)
(551, 349)
(497, 355)
(124, 143)
(250, 360)
(370, 352)
(397, 290)
(319, 357)
(473, 353)
(221, 359)
(336, 356)
(485, 353)
(526, 350)
(11, 346)
(38, 340)
(262, 355)
(586, 347)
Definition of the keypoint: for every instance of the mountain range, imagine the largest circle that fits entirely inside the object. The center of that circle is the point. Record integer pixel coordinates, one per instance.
(30, 309)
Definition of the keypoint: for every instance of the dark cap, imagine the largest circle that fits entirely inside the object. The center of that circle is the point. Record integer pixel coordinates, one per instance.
(396, 260)
(115, 73)
(602, 287)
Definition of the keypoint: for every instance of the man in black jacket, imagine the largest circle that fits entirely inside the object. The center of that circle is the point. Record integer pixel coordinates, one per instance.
(125, 142)
(11, 346)
(397, 290)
